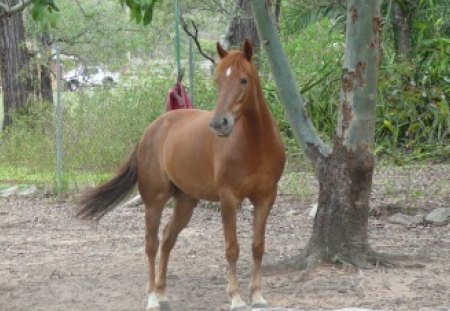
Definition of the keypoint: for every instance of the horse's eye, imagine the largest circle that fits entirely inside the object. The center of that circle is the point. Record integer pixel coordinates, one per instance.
(243, 81)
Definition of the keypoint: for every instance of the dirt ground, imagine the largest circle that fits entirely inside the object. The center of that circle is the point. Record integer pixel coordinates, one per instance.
(50, 261)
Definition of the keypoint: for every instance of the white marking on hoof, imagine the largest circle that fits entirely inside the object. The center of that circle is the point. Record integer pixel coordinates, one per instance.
(237, 304)
(228, 72)
(152, 304)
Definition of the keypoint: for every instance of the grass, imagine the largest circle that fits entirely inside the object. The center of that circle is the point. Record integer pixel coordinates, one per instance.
(100, 128)
(298, 184)
(1, 108)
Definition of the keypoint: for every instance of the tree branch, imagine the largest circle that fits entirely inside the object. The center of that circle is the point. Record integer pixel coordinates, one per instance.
(303, 129)
(194, 36)
(6, 10)
(81, 9)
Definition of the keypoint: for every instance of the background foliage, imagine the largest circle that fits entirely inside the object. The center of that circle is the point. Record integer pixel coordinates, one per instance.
(101, 126)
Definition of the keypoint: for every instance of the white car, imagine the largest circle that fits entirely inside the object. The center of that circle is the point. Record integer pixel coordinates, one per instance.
(90, 76)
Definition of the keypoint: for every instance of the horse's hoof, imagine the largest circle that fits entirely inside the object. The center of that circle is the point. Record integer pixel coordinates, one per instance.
(164, 305)
(259, 305)
(239, 308)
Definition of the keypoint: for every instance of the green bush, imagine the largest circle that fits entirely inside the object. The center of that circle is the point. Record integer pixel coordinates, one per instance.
(413, 118)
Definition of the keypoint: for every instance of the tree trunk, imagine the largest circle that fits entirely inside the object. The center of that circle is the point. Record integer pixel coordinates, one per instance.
(46, 72)
(345, 174)
(402, 31)
(340, 227)
(242, 26)
(278, 12)
(15, 65)
(345, 179)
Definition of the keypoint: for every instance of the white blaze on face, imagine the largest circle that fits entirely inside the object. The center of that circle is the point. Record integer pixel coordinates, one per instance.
(228, 71)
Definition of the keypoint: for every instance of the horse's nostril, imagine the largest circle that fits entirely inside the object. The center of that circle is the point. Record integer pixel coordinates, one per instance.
(221, 125)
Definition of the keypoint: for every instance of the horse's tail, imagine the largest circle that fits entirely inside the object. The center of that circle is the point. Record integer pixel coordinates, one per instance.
(96, 202)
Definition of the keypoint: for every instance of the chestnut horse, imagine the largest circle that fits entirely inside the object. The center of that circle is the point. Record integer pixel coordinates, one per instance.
(226, 155)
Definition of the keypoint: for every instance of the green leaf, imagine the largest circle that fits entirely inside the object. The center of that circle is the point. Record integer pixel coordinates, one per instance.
(50, 5)
(135, 14)
(148, 15)
(140, 11)
(53, 20)
(37, 11)
(389, 126)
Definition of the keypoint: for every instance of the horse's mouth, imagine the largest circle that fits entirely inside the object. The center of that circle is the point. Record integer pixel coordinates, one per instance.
(220, 133)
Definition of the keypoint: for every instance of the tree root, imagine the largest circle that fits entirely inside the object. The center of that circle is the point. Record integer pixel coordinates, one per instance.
(395, 260)
(307, 260)
(298, 262)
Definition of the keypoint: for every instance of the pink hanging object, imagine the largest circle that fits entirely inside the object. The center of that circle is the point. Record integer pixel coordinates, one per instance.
(178, 98)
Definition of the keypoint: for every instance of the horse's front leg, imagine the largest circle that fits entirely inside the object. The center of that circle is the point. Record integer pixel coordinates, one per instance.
(262, 206)
(229, 205)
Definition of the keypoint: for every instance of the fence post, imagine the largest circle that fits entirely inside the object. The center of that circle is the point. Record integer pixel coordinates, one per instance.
(191, 72)
(177, 36)
(58, 117)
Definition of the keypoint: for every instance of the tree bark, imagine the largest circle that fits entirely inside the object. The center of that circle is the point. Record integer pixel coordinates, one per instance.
(46, 89)
(15, 65)
(345, 179)
(242, 26)
(340, 226)
(278, 12)
(345, 174)
(287, 88)
(402, 31)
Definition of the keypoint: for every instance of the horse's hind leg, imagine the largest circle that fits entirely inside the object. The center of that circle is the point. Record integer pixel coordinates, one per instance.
(184, 206)
(155, 197)
(263, 205)
(153, 212)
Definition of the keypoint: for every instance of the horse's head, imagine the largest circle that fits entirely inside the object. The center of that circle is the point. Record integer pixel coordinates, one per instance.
(235, 76)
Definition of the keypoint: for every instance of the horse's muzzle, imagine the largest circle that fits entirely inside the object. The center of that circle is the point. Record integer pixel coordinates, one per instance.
(222, 125)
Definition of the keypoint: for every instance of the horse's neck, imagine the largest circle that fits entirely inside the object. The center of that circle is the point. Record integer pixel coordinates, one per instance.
(257, 116)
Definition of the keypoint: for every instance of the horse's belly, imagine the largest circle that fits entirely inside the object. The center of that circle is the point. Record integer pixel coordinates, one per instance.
(192, 173)
(195, 186)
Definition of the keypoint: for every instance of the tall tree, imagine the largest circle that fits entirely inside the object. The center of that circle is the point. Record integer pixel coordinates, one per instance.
(15, 63)
(16, 73)
(345, 171)
(242, 26)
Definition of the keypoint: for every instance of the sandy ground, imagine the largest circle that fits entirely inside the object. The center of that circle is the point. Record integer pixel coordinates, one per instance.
(50, 261)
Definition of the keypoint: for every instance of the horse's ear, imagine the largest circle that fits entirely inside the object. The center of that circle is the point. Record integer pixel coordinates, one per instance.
(221, 51)
(247, 50)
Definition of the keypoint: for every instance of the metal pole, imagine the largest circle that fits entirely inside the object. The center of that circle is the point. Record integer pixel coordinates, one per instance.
(191, 72)
(177, 35)
(58, 124)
